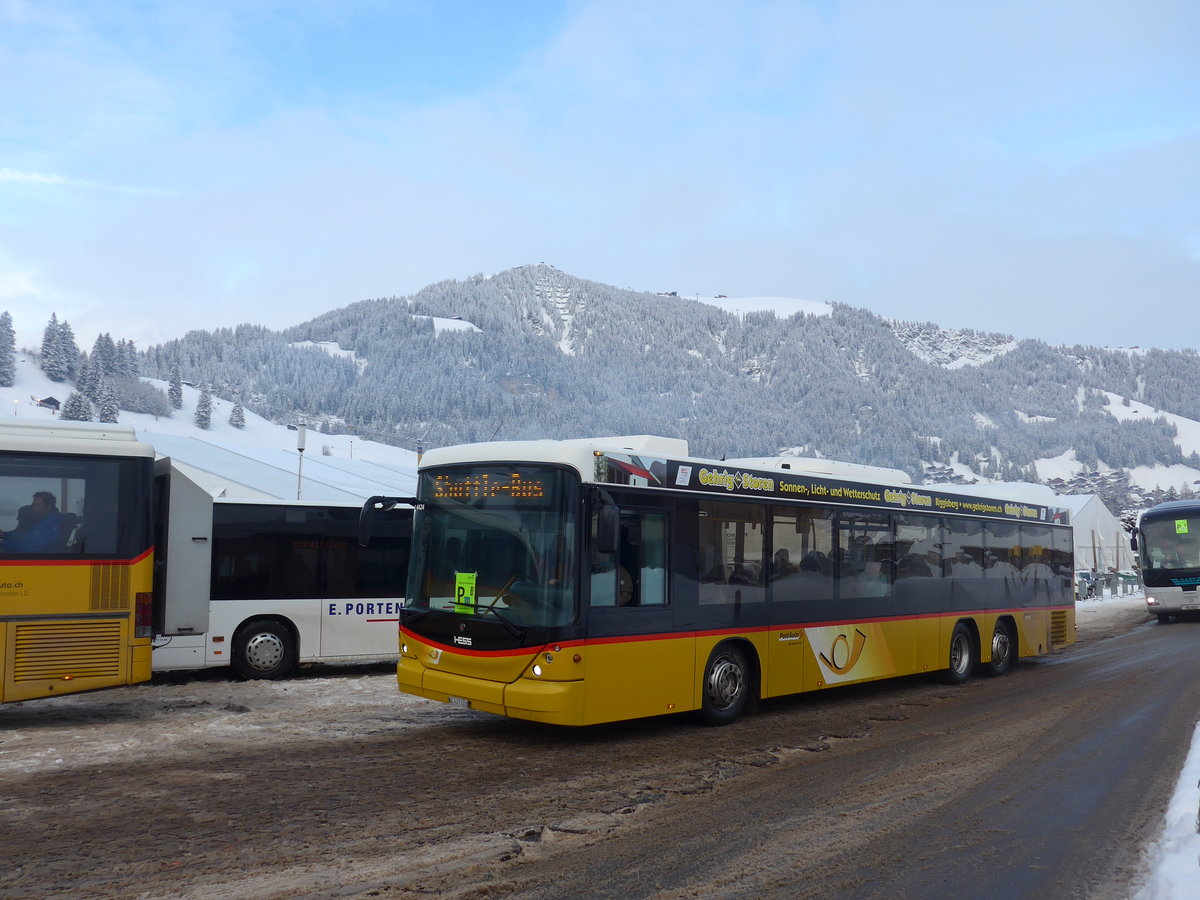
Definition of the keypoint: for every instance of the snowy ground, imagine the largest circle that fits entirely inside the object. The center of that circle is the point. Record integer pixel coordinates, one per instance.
(1175, 870)
(333, 706)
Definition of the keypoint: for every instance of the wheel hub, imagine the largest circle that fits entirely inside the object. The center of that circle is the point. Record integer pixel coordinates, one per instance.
(264, 651)
(725, 683)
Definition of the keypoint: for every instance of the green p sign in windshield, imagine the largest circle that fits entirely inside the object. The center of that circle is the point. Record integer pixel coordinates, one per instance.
(1181, 526)
(464, 592)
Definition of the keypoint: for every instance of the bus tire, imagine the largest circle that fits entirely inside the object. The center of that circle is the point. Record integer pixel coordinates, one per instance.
(727, 685)
(264, 649)
(961, 658)
(1004, 649)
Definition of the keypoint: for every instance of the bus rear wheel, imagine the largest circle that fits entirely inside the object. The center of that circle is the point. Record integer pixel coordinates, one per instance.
(961, 657)
(1004, 650)
(264, 650)
(727, 682)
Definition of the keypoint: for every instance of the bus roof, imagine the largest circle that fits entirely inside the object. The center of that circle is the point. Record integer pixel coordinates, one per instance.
(87, 438)
(1169, 510)
(646, 461)
(819, 466)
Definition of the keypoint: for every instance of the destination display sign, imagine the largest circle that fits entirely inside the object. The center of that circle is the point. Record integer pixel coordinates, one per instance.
(493, 486)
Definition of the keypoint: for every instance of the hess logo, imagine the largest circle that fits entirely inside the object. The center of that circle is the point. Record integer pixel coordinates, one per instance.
(462, 641)
(842, 655)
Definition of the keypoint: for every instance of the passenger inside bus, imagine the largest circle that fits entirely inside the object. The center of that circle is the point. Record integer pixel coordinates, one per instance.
(611, 584)
(781, 564)
(1175, 553)
(43, 530)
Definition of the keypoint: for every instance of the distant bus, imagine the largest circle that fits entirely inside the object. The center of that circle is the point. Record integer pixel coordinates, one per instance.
(76, 558)
(577, 582)
(264, 585)
(1167, 539)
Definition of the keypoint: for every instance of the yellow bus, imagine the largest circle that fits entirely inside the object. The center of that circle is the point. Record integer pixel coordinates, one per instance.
(578, 582)
(76, 558)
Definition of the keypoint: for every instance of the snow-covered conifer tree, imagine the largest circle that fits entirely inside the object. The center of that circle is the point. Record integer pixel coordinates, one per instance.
(175, 390)
(204, 409)
(8, 347)
(104, 355)
(53, 363)
(77, 408)
(106, 405)
(127, 359)
(67, 348)
(237, 415)
(87, 381)
(50, 335)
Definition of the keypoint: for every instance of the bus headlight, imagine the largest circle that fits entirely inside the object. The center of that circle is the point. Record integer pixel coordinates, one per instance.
(537, 671)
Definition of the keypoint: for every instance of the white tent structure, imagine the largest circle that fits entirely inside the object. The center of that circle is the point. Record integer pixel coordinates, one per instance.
(1101, 543)
(248, 472)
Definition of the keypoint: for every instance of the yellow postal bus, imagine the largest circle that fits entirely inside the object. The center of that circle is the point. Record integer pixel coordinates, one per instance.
(576, 582)
(76, 558)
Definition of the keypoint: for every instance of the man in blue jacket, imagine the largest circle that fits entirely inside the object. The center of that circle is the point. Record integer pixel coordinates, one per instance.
(38, 532)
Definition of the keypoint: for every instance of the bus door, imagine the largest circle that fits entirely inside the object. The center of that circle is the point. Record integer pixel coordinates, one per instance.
(637, 665)
(801, 581)
(731, 578)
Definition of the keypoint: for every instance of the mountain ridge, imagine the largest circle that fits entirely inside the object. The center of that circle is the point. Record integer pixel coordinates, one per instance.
(559, 356)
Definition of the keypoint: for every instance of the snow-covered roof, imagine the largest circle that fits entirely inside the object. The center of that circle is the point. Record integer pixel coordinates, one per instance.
(253, 472)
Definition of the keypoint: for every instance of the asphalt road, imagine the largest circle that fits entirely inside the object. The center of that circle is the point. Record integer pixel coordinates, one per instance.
(1047, 782)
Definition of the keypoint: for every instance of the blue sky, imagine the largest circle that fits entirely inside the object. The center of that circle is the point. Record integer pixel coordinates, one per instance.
(1024, 167)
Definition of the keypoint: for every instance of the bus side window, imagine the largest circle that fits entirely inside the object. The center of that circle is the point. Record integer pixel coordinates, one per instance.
(731, 545)
(652, 560)
(637, 574)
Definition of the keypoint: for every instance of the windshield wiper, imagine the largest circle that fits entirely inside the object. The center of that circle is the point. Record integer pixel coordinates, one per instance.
(515, 630)
(411, 615)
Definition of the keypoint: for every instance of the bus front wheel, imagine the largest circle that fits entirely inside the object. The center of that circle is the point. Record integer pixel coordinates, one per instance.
(264, 649)
(962, 655)
(727, 684)
(1004, 649)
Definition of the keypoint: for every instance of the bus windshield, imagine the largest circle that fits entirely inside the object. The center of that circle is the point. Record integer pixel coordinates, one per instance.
(1170, 548)
(495, 542)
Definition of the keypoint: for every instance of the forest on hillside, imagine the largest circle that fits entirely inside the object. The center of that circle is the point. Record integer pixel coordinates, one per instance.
(553, 356)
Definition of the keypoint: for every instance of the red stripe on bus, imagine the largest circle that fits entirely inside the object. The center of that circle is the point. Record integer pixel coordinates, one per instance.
(715, 632)
(78, 562)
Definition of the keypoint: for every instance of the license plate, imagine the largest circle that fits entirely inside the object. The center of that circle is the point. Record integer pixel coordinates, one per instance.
(459, 703)
(1190, 606)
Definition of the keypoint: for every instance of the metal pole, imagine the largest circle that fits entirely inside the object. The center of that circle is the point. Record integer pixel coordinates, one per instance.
(300, 466)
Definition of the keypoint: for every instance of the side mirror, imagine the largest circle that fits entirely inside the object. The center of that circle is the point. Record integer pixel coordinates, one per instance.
(372, 508)
(608, 521)
(1133, 541)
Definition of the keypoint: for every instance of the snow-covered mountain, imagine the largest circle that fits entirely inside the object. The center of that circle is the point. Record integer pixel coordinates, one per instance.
(534, 352)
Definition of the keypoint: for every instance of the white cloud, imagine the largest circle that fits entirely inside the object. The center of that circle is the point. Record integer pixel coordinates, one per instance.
(1010, 167)
(37, 178)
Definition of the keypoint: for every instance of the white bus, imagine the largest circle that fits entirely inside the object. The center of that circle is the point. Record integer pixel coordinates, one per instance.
(264, 585)
(1167, 539)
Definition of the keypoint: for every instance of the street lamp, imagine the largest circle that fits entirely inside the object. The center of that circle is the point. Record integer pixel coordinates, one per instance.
(300, 467)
